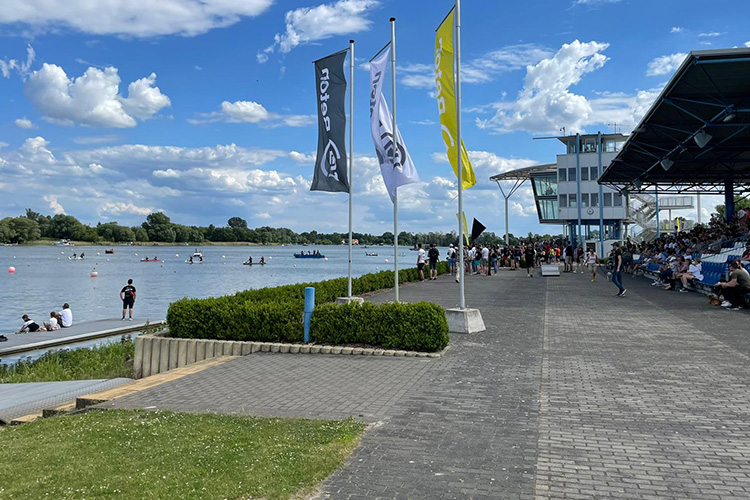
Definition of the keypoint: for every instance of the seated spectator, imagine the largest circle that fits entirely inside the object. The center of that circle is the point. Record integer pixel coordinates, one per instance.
(53, 324)
(736, 288)
(29, 325)
(694, 272)
(746, 257)
(66, 316)
(679, 266)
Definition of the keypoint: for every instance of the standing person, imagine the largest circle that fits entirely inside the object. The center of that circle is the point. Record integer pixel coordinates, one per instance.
(433, 255)
(528, 256)
(579, 257)
(486, 260)
(127, 295)
(452, 259)
(590, 262)
(516, 257)
(617, 270)
(420, 261)
(66, 316)
(494, 255)
(568, 258)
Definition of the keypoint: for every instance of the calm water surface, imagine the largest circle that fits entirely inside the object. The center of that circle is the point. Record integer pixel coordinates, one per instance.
(45, 278)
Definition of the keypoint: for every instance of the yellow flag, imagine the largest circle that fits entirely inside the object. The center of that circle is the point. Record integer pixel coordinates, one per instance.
(445, 88)
(466, 230)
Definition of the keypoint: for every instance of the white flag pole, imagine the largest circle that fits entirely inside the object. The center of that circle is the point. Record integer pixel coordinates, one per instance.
(351, 154)
(462, 298)
(395, 152)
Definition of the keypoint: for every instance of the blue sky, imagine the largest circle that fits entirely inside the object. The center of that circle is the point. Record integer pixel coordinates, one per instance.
(205, 109)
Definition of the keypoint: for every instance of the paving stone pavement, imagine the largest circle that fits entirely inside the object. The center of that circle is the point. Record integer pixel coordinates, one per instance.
(570, 393)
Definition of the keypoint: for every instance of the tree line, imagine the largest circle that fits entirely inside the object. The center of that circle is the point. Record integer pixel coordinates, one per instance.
(158, 227)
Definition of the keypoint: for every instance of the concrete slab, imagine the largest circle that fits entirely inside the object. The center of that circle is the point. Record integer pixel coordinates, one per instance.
(464, 320)
(17, 400)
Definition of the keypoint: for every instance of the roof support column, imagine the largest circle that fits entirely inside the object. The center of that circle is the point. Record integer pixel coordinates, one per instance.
(729, 200)
(578, 189)
(601, 201)
(658, 224)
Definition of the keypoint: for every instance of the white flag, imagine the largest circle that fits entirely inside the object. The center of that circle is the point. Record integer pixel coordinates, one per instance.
(400, 170)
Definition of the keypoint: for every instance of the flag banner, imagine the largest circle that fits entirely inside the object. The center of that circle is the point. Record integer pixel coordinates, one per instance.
(466, 231)
(477, 228)
(396, 164)
(330, 90)
(445, 88)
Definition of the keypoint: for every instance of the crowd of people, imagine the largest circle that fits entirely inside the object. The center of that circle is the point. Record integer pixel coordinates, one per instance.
(57, 320)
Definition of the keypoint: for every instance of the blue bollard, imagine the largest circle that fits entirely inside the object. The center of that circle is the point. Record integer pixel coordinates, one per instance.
(309, 306)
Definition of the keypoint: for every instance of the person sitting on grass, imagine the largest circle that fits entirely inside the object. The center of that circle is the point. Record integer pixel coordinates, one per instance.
(736, 288)
(29, 325)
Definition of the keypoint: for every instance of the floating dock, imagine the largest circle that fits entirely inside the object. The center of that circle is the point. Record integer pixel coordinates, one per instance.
(79, 332)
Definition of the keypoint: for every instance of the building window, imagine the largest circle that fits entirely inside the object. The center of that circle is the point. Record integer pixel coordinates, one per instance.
(572, 146)
(584, 174)
(571, 174)
(584, 200)
(594, 199)
(563, 201)
(618, 199)
(572, 199)
(607, 199)
(589, 145)
(594, 173)
(562, 175)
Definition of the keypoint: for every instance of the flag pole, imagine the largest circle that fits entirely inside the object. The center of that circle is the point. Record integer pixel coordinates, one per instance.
(351, 154)
(462, 297)
(395, 152)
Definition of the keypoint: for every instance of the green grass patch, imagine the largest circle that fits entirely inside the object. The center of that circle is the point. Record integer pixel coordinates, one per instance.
(164, 455)
(105, 361)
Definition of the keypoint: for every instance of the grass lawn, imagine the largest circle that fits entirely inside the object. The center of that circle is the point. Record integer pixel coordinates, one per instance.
(105, 361)
(164, 455)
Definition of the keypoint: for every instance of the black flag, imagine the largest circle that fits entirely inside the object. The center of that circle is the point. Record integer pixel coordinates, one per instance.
(331, 166)
(477, 228)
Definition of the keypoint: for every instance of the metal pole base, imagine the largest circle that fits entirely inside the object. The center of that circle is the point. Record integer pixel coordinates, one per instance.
(464, 320)
(349, 300)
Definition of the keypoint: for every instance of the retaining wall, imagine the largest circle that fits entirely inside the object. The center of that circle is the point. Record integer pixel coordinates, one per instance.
(157, 353)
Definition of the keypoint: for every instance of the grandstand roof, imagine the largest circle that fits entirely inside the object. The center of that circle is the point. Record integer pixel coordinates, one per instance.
(524, 173)
(696, 135)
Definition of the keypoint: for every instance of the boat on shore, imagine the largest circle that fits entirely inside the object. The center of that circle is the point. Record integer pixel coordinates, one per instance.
(309, 256)
(64, 243)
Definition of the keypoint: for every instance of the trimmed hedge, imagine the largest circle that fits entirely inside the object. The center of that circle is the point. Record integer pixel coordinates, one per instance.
(414, 327)
(275, 315)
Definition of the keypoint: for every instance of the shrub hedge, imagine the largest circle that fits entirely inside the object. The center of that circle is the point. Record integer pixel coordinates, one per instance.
(275, 315)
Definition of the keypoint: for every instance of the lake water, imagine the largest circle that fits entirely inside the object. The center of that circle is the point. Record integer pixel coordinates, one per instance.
(45, 278)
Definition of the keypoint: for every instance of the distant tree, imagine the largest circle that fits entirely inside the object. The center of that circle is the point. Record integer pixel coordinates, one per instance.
(237, 222)
(739, 203)
(140, 234)
(22, 229)
(65, 226)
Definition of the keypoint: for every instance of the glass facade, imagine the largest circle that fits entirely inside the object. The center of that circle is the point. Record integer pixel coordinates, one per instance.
(545, 185)
(547, 209)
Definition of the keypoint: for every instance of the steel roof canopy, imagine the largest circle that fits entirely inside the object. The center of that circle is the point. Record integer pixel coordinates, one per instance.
(696, 135)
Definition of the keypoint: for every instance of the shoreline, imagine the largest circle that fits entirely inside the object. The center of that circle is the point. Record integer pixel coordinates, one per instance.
(51, 243)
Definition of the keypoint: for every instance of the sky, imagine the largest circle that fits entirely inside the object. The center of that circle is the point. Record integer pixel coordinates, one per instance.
(205, 109)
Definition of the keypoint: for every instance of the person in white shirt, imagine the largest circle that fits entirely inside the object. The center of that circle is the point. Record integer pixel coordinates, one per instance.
(694, 272)
(67, 316)
(53, 324)
(590, 262)
(420, 261)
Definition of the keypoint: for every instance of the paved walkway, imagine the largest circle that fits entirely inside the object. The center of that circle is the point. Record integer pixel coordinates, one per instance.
(570, 393)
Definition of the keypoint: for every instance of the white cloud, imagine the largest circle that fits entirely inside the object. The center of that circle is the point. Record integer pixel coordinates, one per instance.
(308, 24)
(665, 65)
(252, 112)
(93, 99)
(480, 70)
(24, 123)
(9, 65)
(677, 29)
(545, 103)
(710, 34)
(96, 139)
(263, 215)
(301, 157)
(594, 3)
(54, 205)
(138, 18)
(747, 44)
(125, 208)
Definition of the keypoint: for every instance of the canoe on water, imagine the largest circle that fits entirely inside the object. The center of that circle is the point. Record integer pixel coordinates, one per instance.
(309, 256)
(248, 263)
(150, 260)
